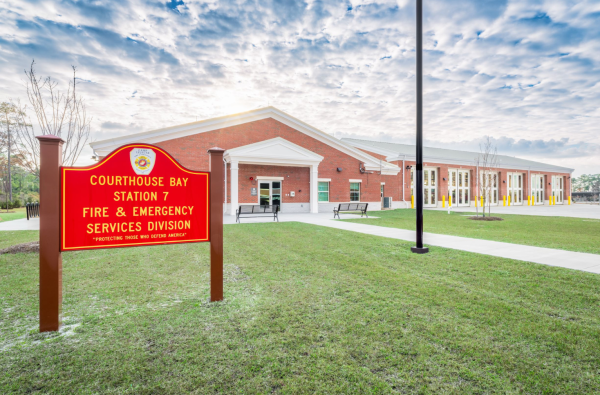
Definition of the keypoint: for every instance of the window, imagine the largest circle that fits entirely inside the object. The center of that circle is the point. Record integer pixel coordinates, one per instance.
(355, 191)
(323, 191)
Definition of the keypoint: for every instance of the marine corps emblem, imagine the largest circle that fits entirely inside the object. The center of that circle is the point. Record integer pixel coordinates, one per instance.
(142, 160)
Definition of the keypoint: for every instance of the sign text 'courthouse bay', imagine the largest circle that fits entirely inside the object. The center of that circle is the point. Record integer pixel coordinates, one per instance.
(137, 195)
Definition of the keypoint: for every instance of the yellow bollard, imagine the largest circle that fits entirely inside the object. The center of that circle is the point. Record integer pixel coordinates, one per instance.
(529, 200)
(509, 200)
(504, 201)
(412, 201)
(443, 201)
(481, 200)
(475, 200)
(569, 200)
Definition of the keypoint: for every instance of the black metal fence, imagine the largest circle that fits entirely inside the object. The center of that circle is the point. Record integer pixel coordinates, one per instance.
(581, 197)
(33, 210)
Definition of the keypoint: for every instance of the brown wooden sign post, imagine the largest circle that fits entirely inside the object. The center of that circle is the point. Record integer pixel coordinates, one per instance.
(50, 255)
(217, 194)
(81, 209)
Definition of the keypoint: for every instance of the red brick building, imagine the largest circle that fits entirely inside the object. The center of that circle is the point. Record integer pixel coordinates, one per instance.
(274, 158)
(457, 175)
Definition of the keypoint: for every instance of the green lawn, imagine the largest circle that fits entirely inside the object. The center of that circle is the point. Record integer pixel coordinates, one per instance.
(573, 234)
(308, 310)
(18, 214)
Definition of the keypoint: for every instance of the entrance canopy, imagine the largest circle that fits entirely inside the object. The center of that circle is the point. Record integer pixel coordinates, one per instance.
(274, 152)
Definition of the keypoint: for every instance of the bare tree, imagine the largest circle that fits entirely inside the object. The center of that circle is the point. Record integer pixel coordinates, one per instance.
(58, 113)
(488, 162)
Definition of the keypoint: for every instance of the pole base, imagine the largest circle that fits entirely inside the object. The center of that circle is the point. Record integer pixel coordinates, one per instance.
(417, 250)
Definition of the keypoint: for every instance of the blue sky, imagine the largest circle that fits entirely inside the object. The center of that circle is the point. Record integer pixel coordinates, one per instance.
(526, 72)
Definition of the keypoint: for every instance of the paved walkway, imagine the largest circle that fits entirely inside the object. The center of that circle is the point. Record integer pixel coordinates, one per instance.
(20, 224)
(546, 256)
(590, 211)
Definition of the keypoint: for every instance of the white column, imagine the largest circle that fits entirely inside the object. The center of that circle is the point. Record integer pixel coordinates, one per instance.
(314, 190)
(234, 187)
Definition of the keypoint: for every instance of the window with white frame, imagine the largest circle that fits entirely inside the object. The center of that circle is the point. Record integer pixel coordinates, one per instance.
(355, 191)
(323, 191)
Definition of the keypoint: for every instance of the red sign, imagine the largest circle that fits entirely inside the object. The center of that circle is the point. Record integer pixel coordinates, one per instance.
(137, 195)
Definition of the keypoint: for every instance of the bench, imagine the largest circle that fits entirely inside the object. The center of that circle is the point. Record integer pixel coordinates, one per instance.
(256, 210)
(345, 207)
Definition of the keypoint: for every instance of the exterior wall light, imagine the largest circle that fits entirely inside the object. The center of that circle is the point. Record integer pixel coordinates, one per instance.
(339, 169)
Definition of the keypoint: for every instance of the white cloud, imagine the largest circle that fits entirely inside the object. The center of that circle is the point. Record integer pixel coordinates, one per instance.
(520, 70)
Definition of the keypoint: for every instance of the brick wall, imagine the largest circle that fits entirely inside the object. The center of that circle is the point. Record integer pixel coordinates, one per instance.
(296, 179)
(443, 172)
(190, 151)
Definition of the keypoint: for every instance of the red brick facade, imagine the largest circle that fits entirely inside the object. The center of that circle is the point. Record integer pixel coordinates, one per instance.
(299, 153)
(443, 172)
(190, 151)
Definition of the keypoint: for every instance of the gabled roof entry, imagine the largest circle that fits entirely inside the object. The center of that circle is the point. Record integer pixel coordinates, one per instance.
(273, 151)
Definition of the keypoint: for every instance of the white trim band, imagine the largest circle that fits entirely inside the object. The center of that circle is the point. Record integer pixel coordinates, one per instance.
(270, 178)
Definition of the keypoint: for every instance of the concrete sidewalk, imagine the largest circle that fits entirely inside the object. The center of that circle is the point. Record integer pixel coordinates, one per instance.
(545, 256)
(21, 224)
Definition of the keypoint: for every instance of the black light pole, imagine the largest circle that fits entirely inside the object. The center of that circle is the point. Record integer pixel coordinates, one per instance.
(419, 249)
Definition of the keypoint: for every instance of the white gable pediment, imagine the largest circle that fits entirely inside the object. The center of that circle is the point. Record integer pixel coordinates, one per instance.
(273, 151)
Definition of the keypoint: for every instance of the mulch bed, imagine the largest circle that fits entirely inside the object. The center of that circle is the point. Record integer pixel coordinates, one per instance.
(33, 246)
(486, 218)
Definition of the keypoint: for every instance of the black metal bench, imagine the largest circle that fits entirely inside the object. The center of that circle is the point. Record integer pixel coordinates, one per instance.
(346, 207)
(256, 210)
(33, 210)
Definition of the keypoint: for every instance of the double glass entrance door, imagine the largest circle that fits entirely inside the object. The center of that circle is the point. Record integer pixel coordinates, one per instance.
(429, 186)
(270, 193)
(515, 188)
(458, 187)
(537, 188)
(558, 189)
(489, 187)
